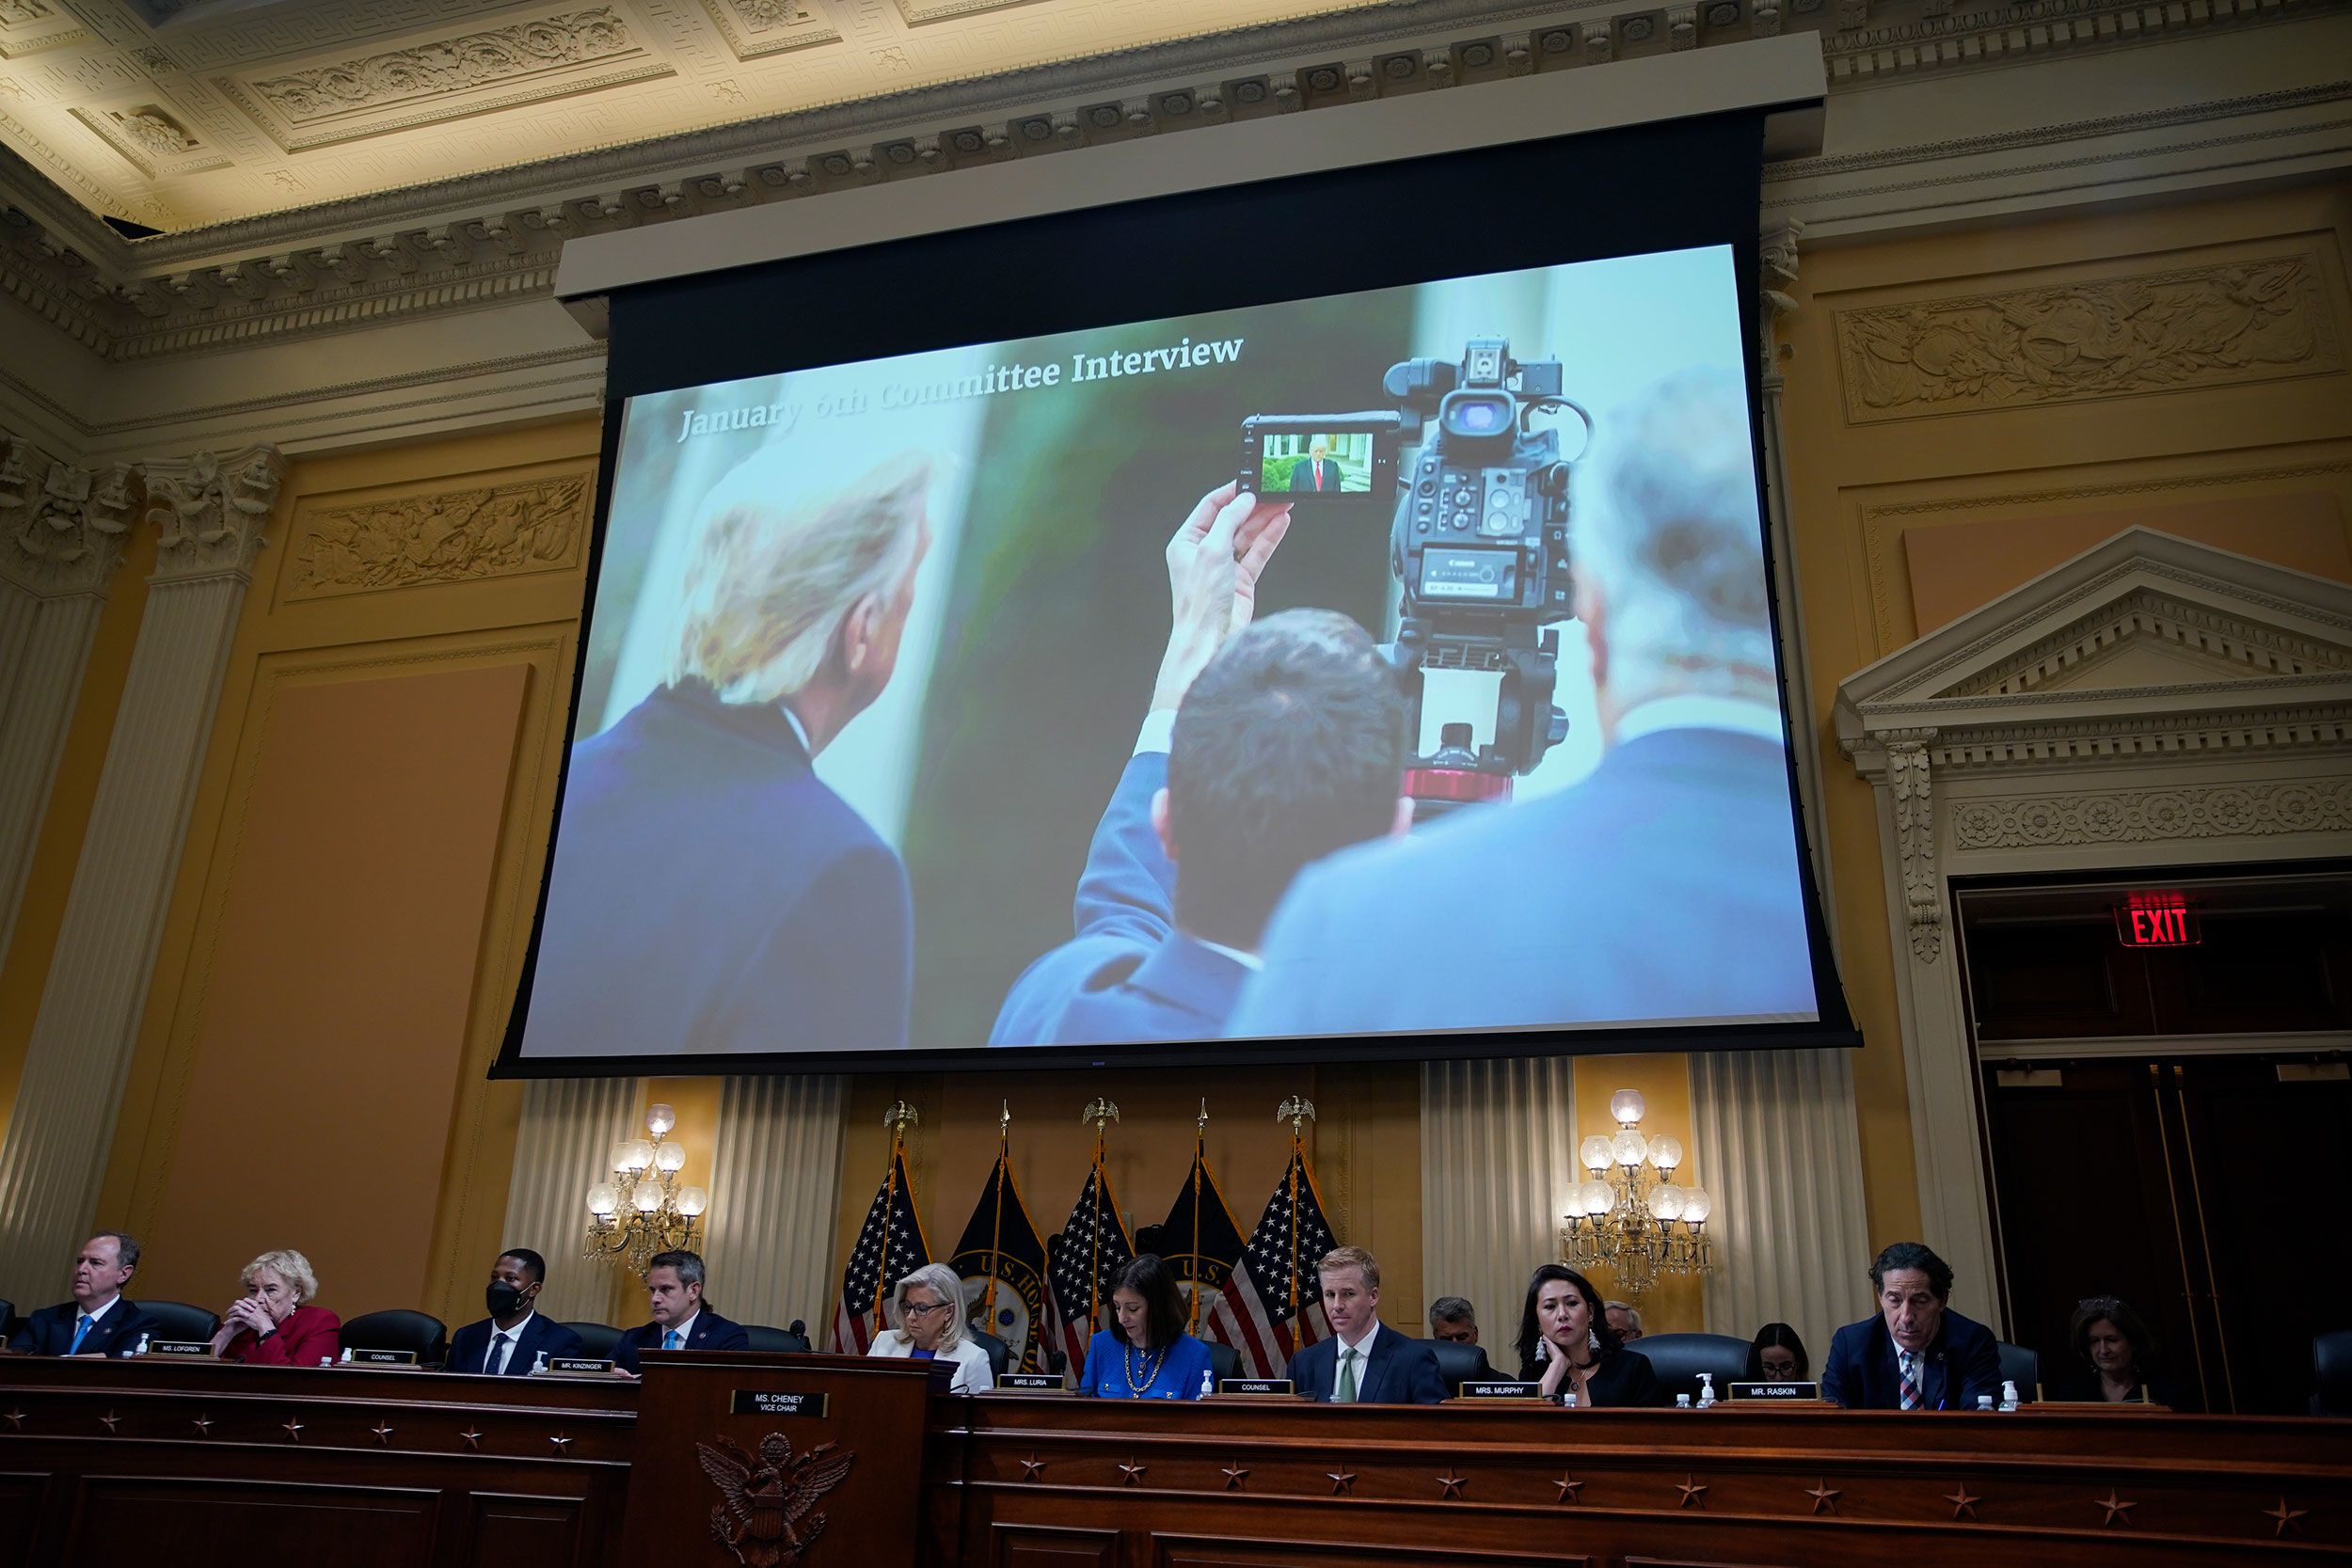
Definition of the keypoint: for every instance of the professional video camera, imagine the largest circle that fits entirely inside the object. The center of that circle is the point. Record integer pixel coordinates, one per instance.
(1478, 544)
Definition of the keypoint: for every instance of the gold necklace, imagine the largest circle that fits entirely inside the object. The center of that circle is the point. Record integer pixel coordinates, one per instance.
(1151, 1368)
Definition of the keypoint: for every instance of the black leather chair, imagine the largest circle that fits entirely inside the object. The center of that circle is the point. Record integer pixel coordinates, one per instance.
(178, 1320)
(598, 1342)
(400, 1328)
(10, 1321)
(2021, 1367)
(1679, 1358)
(763, 1337)
(2331, 1373)
(999, 1353)
(1458, 1362)
(1224, 1361)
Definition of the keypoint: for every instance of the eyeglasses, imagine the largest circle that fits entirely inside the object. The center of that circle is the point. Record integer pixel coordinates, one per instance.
(910, 1310)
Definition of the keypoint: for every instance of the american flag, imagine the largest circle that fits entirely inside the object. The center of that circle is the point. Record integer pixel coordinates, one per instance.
(1095, 1238)
(1252, 1313)
(890, 1246)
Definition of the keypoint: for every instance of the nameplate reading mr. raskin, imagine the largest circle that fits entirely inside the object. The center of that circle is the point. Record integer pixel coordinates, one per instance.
(1775, 1390)
(767, 1401)
(1259, 1386)
(1501, 1388)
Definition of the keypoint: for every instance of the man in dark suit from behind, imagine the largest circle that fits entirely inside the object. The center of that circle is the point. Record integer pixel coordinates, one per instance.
(1663, 886)
(1318, 471)
(1364, 1361)
(673, 1293)
(510, 1341)
(100, 1320)
(1258, 755)
(1917, 1353)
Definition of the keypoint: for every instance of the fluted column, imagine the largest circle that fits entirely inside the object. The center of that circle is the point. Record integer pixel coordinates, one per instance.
(1784, 1156)
(562, 1147)
(1498, 1155)
(774, 1196)
(212, 515)
(61, 535)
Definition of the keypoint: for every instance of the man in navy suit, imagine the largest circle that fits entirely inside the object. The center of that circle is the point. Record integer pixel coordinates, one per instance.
(510, 1341)
(1665, 887)
(709, 891)
(1364, 1361)
(673, 1292)
(100, 1320)
(1320, 471)
(1259, 754)
(1917, 1353)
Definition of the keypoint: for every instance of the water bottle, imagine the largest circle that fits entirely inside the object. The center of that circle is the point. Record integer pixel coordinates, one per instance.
(346, 1358)
(2009, 1396)
(1707, 1391)
(1984, 1401)
(1208, 1385)
(1682, 1401)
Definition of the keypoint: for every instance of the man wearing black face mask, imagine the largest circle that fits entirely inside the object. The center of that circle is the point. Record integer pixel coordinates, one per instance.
(510, 1342)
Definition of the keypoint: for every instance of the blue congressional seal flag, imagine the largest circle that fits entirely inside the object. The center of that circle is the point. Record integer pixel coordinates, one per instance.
(1200, 1239)
(1001, 1248)
(890, 1246)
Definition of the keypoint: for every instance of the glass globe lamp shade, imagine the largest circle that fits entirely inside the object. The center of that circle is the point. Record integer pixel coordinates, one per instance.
(1574, 1209)
(648, 1198)
(1628, 1106)
(1665, 1153)
(670, 1157)
(660, 1119)
(636, 1155)
(1593, 1151)
(603, 1200)
(1666, 1203)
(1630, 1149)
(1696, 1204)
(620, 1158)
(693, 1201)
(1599, 1200)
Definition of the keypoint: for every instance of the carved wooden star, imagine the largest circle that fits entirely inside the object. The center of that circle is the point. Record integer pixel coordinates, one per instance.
(2284, 1516)
(1964, 1503)
(1824, 1495)
(16, 1421)
(293, 1430)
(1570, 1486)
(1132, 1473)
(203, 1426)
(472, 1437)
(1234, 1476)
(383, 1430)
(2117, 1509)
(562, 1444)
(110, 1420)
(1451, 1482)
(1693, 1492)
(1032, 1468)
(1342, 1480)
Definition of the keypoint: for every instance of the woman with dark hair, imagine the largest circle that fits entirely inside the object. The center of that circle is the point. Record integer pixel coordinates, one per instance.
(1148, 1356)
(2115, 1352)
(1567, 1343)
(1777, 1355)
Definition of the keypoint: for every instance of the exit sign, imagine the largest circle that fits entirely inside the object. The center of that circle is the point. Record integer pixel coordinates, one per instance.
(2156, 920)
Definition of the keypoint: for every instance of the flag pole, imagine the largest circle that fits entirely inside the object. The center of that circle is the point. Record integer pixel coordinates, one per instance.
(1299, 1111)
(996, 1222)
(1200, 1152)
(1102, 1113)
(900, 1116)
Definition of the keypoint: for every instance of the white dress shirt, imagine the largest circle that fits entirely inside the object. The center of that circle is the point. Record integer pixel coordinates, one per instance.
(1363, 1359)
(502, 1343)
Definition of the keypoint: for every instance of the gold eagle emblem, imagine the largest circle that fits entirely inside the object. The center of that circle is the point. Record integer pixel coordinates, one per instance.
(767, 1518)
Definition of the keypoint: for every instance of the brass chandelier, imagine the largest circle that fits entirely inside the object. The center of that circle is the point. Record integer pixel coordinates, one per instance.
(1631, 1218)
(643, 1209)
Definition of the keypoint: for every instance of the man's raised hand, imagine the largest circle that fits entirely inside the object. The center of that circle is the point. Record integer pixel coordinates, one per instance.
(1213, 564)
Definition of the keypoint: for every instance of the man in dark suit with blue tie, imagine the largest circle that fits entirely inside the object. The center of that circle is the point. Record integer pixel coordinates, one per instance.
(1664, 886)
(673, 1292)
(708, 893)
(100, 1320)
(1917, 1353)
(510, 1341)
(1259, 754)
(1364, 1361)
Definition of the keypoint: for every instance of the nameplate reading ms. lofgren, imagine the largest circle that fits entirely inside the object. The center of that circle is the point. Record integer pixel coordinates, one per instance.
(190, 1348)
(767, 1401)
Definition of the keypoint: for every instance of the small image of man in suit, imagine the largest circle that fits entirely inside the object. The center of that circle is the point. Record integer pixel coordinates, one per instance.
(1318, 470)
(1266, 746)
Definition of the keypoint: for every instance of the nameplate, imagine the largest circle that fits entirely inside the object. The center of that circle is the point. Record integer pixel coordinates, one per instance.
(379, 1358)
(179, 1347)
(1257, 1387)
(767, 1401)
(1032, 1383)
(575, 1366)
(1500, 1389)
(1775, 1390)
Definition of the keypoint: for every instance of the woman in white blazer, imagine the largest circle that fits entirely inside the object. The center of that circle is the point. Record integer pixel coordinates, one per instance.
(927, 1319)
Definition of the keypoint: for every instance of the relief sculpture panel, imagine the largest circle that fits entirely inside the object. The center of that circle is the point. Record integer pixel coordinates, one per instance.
(447, 536)
(2155, 332)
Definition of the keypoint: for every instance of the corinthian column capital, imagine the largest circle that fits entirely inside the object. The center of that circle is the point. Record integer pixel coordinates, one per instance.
(62, 528)
(213, 511)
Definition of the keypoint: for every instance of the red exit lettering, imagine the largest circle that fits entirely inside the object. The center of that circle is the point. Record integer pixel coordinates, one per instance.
(2156, 920)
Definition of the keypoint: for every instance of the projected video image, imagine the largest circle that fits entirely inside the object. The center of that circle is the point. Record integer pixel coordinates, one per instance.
(981, 698)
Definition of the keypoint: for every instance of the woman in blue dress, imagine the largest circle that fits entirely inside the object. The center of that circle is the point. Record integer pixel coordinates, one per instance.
(1148, 1356)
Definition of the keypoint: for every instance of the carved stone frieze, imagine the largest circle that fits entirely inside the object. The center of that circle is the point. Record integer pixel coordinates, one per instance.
(2169, 813)
(213, 511)
(2208, 325)
(448, 536)
(1908, 791)
(445, 66)
(64, 526)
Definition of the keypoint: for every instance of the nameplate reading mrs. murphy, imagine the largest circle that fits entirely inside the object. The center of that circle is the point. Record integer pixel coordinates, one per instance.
(1501, 1388)
(767, 1401)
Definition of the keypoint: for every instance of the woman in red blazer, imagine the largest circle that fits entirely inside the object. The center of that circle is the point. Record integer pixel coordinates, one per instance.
(271, 1324)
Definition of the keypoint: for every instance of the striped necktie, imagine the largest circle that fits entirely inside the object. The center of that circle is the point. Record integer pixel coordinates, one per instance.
(1905, 1365)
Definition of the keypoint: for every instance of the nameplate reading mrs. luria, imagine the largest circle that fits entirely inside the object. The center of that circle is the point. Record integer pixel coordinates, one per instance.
(1775, 1390)
(767, 1401)
(1032, 1383)
(179, 1347)
(1501, 1388)
(1256, 1386)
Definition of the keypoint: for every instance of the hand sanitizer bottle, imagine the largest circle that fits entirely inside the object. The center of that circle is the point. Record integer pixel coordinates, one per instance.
(1707, 1391)
(538, 1363)
(1208, 1385)
(141, 1348)
(2009, 1396)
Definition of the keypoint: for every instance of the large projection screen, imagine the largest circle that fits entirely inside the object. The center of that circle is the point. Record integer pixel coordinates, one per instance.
(1326, 618)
